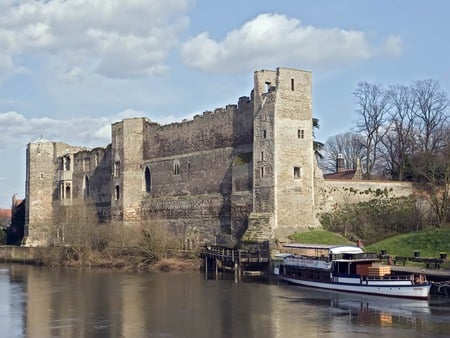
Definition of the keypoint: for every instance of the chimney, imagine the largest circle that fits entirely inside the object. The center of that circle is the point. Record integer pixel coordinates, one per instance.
(340, 163)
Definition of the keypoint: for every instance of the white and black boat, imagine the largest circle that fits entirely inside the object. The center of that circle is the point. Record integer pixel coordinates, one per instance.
(345, 268)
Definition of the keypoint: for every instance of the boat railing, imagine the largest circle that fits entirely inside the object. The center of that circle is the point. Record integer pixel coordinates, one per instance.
(358, 256)
(391, 277)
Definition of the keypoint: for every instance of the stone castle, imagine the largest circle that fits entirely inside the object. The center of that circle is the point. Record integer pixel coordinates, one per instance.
(246, 171)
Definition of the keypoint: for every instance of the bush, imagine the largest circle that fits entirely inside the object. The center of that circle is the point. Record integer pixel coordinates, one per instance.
(376, 219)
(3, 237)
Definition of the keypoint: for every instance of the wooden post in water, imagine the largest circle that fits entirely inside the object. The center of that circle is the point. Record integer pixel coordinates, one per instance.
(216, 271)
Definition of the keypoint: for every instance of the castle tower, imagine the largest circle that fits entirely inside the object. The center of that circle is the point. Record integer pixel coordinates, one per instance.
(283, 152)
(127, 157)
(40, 156)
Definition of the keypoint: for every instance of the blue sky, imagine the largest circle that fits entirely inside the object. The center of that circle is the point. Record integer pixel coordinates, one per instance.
(68, 69)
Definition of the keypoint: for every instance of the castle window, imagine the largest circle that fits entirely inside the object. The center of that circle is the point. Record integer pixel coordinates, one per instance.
(96, 159)
(264, 133)
(261, 172)
(148, 180)
(292, 84)
(262, 156)
(301, 133)
(117, 168)
(42, 176)
(67, 163)
(176, 167)
(117, 193)
(297, 172)
(268, 85)
(67, 192)
(86, 186)
(87, 164)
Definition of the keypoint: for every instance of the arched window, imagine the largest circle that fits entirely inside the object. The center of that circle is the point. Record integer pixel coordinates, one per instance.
(176, 167)
(148, 179)
(86, 186)
(67, 193)
(117, 193)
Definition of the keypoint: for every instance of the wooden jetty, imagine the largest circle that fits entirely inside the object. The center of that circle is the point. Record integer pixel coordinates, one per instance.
(248, 258)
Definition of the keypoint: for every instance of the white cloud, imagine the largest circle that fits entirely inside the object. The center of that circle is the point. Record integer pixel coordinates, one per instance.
(120, 39)
(270, 40)
(17, 130)
(393, 45)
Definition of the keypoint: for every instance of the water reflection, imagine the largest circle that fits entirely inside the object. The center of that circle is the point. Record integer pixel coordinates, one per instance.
(42, 302)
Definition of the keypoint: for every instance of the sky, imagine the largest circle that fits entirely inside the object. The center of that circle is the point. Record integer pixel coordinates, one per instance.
(70, 68)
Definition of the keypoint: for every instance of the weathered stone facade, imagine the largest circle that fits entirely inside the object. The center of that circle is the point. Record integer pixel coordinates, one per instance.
(243, 170)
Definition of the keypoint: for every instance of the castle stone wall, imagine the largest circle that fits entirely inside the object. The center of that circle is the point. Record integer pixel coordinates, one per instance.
(334, 193)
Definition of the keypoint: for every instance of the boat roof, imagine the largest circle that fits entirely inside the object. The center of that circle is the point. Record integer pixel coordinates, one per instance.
(333, 249)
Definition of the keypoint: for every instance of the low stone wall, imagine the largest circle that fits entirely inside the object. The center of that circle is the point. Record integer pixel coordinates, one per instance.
(20, 254)
(336, 192)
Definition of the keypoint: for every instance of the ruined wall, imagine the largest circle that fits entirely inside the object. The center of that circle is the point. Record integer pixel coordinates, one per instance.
(222, 128)
(92, 180)
(42, 187)
(200, 183)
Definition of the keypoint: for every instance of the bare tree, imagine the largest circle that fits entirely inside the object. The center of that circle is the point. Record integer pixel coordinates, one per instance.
(348, 145)
(431, 107)
(373, 105)
(432, 175)
(399, 139)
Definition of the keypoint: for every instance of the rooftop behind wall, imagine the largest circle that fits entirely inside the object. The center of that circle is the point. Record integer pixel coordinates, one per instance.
(224, 127)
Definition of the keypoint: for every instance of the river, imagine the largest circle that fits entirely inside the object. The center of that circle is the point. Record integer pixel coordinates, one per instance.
(40, 302)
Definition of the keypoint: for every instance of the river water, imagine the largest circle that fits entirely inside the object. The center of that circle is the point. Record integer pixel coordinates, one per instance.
(39, 302)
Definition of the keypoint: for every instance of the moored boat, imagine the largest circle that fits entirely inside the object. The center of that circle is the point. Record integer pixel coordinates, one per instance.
(345, 268)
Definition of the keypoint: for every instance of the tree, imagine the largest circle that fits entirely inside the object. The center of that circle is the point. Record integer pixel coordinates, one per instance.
(373, 105)
(317, 146)
(432, 176)
(398, 142)
(349, 145)
(430, 110)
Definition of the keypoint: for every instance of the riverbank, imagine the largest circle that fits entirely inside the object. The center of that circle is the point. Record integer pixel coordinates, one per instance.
(112, 258)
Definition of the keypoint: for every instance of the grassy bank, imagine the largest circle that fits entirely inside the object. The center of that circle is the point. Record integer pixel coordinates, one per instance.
(319, 237)
(429, 243)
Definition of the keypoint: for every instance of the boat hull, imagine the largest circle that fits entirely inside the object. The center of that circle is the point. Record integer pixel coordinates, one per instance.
(412, 291)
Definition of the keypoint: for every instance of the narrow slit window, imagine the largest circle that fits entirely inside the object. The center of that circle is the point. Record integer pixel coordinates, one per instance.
(297, 172)
(176, 167)
(301, 133)
(262, 172)
(264, 133)
(292, 85)
(117, 168)
(148, 180)
(262, 155)
(86, 187)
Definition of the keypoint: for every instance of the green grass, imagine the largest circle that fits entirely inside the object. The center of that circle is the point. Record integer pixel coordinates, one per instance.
(430, 243)
(319, 237)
